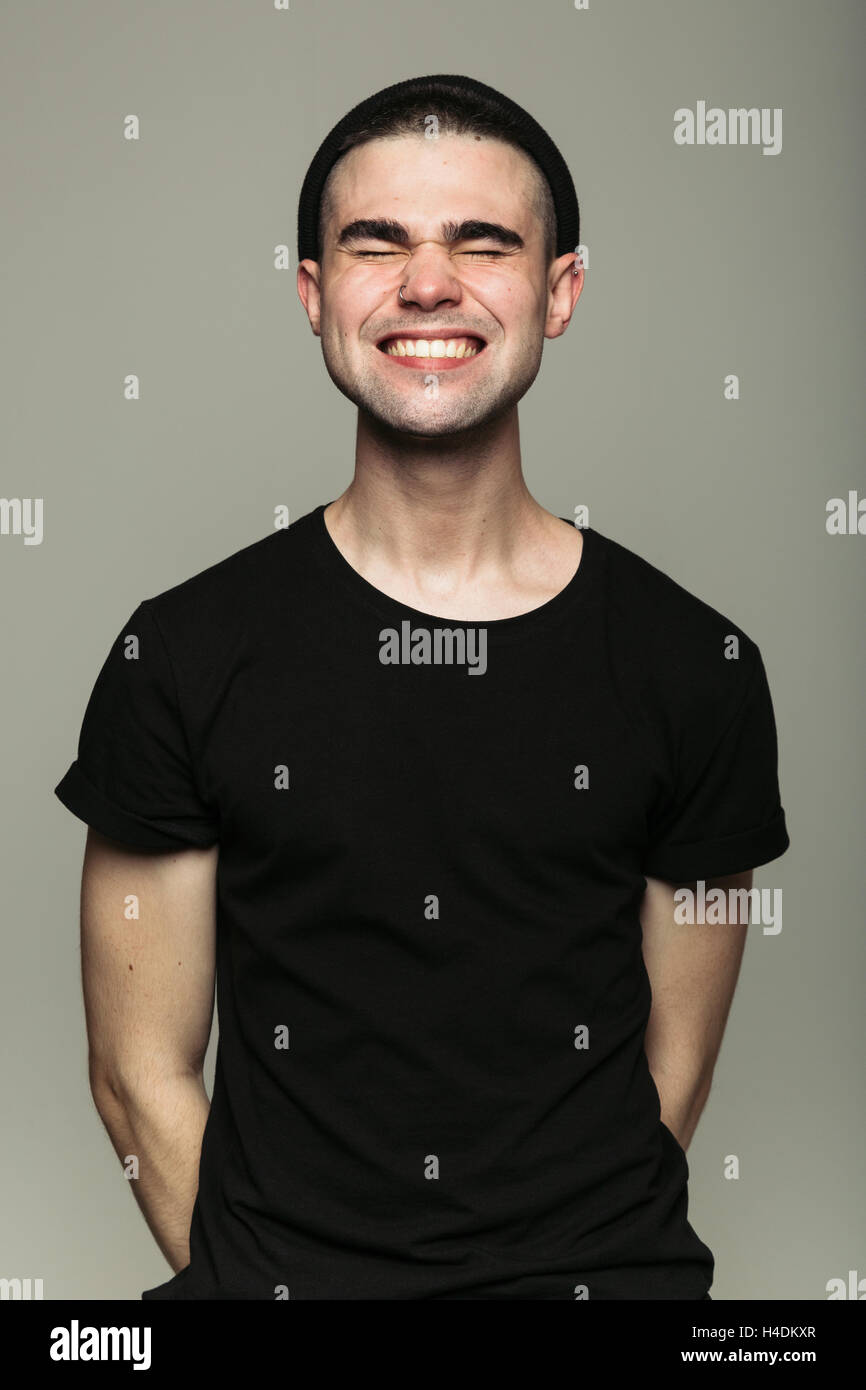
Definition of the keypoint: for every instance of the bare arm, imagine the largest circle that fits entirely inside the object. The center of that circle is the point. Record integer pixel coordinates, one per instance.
(693, 970)
(148, 997)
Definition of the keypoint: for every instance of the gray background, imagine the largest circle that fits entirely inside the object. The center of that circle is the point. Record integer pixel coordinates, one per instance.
(156, 257)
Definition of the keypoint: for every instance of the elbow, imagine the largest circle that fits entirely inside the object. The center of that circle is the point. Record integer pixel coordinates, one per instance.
(131, 1087)
(106, 1089)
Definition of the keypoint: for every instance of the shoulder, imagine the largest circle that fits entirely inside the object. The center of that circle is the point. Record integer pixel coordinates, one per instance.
(226, 596)
(675, 649)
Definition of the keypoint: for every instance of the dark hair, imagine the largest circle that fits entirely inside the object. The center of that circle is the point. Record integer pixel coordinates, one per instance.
(462, 106)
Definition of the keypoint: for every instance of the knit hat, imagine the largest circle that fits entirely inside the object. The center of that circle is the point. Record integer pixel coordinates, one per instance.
(516, 123)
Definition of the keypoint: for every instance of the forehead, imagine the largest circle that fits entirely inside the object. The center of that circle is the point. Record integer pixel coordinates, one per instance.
(421, 182)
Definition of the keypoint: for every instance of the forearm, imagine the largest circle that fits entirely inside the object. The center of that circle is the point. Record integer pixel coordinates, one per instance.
(692, 970)
(162, 1125)
(683, 1093)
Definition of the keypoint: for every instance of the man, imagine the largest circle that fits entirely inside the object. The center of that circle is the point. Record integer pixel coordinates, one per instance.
(420, 776)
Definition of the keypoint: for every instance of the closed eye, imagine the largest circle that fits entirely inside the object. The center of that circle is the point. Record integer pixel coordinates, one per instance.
(365, 255)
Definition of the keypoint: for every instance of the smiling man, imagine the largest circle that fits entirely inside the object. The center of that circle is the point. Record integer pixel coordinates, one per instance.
(464, 1037)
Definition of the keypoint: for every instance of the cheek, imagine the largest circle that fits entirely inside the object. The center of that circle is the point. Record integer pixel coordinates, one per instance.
(512, 303)
(338, 333)
(348, 315)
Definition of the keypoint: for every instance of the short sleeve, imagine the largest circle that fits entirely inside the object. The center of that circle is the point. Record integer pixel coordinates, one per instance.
(725, 814)
(133, 780)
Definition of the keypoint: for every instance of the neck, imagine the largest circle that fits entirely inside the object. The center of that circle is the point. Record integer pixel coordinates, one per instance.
(423, 504)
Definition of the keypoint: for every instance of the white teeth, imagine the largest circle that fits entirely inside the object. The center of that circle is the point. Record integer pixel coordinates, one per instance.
(434, 347)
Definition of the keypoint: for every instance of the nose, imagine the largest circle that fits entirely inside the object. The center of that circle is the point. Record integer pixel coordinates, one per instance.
(428, 278)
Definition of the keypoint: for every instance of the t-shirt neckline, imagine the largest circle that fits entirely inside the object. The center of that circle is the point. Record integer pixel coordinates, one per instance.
(520, 624)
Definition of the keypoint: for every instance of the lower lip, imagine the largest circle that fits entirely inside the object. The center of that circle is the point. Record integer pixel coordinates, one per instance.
(432, 364)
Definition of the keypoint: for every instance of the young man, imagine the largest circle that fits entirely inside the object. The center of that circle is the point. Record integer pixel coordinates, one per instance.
(419, 776)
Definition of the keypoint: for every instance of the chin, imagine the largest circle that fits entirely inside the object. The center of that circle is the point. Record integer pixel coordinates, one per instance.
(425, 427)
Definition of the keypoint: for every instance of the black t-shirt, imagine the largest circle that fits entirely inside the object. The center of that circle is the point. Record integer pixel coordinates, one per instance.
(431, 1079)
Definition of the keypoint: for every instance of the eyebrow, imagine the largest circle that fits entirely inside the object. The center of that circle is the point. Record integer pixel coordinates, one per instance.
(385, 229)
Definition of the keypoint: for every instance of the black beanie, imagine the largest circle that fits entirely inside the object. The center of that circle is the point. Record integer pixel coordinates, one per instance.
(520, 126)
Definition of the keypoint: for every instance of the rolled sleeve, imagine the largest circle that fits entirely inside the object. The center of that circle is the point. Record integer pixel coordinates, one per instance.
(726, 814)
(133, 779)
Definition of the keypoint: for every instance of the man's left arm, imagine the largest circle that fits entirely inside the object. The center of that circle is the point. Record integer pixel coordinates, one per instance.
(693, 970)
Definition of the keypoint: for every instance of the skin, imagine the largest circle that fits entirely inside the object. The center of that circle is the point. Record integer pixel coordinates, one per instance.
(438, 516)
(148, 997)
(693, 971)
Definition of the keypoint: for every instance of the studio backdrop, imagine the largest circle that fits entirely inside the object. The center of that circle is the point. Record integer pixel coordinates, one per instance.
(165, 404)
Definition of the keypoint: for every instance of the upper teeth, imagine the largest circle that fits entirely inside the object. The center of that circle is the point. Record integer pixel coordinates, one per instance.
(432, 347)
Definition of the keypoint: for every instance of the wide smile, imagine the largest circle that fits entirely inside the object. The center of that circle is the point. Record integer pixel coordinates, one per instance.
(439, 354)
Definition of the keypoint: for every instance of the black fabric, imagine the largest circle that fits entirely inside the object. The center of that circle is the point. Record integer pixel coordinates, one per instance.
(431, 907)
(532, 136)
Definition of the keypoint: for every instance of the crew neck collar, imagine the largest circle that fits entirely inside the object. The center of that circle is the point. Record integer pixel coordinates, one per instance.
(391, 610)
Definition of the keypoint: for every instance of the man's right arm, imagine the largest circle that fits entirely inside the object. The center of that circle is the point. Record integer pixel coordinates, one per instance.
(148, 994)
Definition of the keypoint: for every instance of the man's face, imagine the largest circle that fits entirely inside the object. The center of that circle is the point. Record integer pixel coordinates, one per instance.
(483, 296)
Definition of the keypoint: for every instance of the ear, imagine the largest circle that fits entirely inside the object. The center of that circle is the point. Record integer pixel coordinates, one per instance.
(565, 282)
(309, 292)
